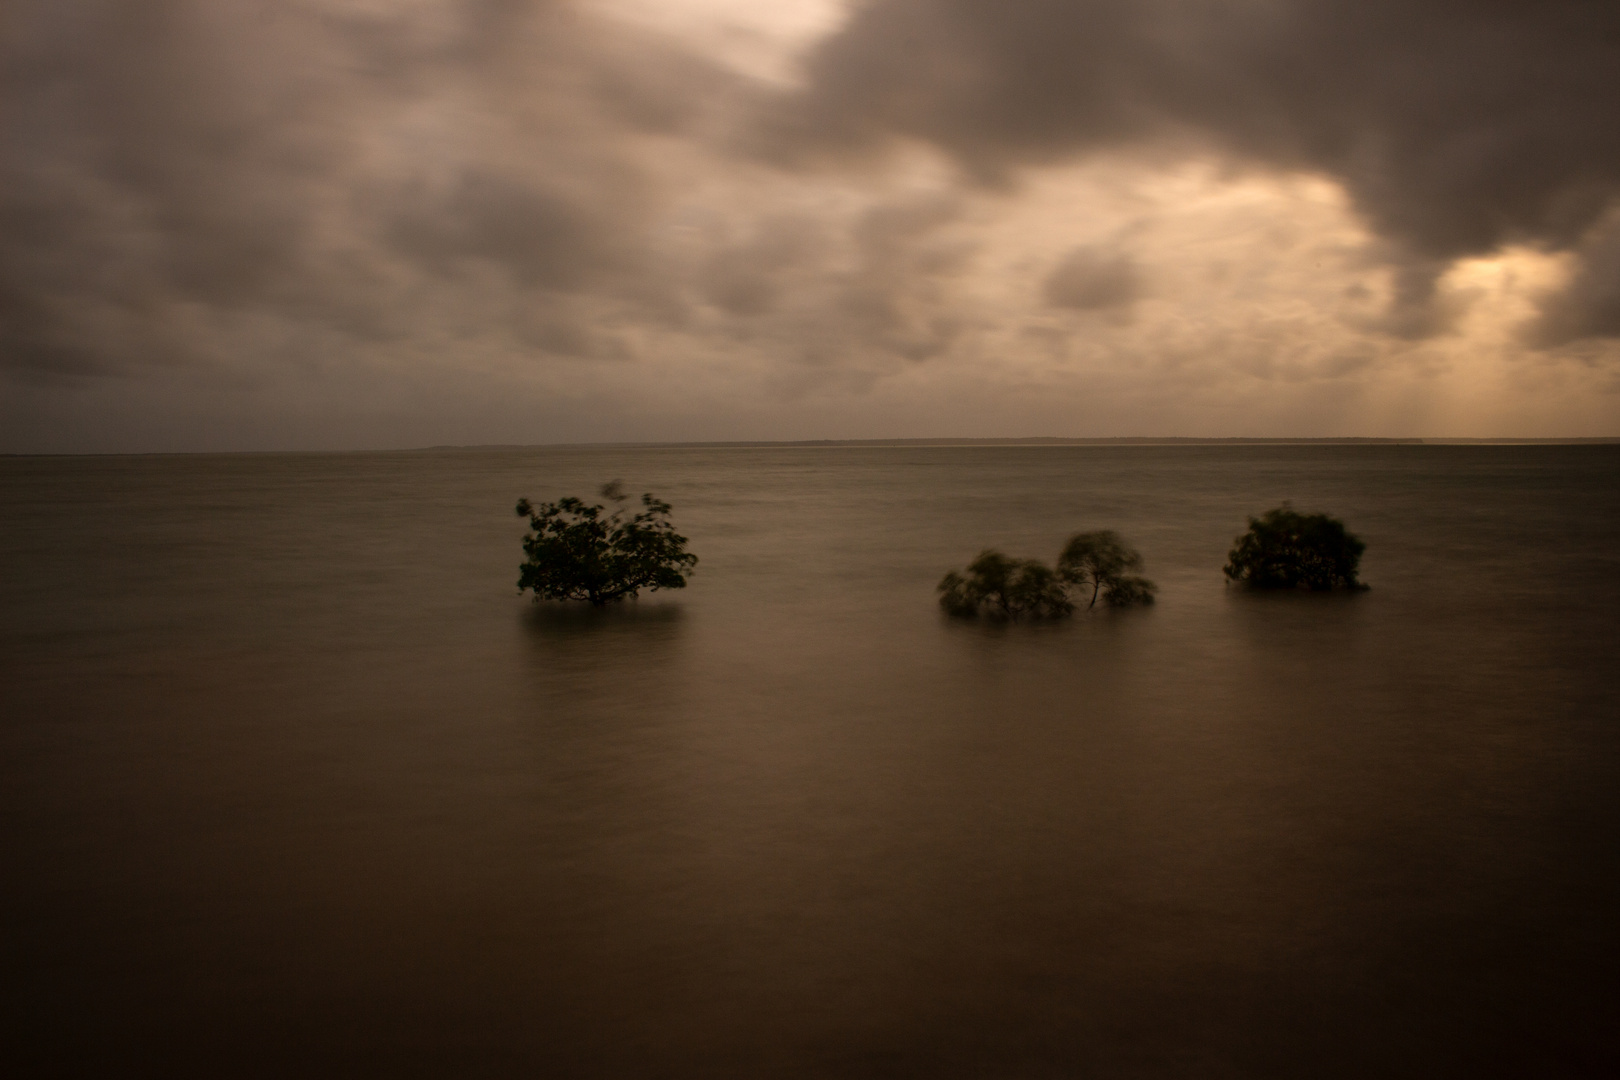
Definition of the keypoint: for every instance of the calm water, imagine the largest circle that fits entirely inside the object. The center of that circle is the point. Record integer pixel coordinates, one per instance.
(293, 783)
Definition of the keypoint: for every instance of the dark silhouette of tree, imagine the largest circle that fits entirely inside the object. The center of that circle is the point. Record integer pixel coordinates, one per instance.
(1004, 588)
(1285, 549)
(1007, 588)
(1098, 561)
(575, 553)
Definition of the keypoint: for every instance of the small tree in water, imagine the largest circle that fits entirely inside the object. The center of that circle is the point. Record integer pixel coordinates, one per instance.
(574, 553)
(1098, 561)
(1007, 588)
(1285, 549)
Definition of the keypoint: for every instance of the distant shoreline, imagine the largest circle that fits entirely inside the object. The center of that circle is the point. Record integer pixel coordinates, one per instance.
(1123, 440)
(763, 444)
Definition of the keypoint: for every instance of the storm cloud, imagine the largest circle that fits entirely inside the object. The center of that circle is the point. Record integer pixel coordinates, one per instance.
(1457, 127)
(1089, 280)
(353, 222)
(319, 161)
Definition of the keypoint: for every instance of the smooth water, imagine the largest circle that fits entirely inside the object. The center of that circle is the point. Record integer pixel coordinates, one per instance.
(293, 783)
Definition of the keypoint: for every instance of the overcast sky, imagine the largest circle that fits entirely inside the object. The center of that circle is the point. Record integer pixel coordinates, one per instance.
(255, 224)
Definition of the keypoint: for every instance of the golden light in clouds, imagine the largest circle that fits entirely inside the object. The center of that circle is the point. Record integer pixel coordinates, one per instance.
(1257, 310)
(762, 40)
(347, 223)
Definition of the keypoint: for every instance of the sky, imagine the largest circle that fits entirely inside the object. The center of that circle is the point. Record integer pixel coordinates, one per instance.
(343, 224)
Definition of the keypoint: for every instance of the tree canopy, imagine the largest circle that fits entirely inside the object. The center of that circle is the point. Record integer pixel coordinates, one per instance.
(1285, 549)
(576, 553)
(1098, 560)
(1007, 588)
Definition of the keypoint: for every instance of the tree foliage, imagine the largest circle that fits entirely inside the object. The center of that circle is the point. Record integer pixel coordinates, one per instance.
(1285, 549)
(1008, 588)
(576, 553)
(1099, 561)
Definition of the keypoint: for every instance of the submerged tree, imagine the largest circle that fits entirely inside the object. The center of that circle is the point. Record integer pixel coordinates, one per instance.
(1285, 549)
(1098, 561)
(1007, 588)
(575, 553)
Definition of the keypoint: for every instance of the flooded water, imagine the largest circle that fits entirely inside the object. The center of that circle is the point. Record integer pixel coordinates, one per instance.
(294, 783)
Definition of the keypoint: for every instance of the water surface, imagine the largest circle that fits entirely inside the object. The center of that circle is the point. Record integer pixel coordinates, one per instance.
(294, 783)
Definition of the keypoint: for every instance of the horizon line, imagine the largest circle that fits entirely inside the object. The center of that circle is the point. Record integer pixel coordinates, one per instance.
(942, 442)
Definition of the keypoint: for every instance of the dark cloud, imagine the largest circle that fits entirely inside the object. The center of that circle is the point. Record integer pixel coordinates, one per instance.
(870, 292)
(171, 162)
(747, 278)
(1590, 305)
(542, 237)
(1456, 126)
(352, 202)
(890, 299)
(1093, 279)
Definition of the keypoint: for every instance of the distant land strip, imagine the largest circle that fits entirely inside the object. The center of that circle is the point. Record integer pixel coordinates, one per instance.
(1122, 440)
(765, 444)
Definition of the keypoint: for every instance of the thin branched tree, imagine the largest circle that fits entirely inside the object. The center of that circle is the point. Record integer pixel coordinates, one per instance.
(1098, 561)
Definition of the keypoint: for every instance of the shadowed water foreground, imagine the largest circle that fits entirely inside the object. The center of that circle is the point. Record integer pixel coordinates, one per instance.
(294, 783)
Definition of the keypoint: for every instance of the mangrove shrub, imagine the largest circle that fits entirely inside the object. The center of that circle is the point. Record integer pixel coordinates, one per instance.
(576, 553)
(1098, 561)
(1007, 588)
(1285, 549)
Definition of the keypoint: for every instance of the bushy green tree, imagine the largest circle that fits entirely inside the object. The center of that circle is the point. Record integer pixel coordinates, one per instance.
(1098, 561)
(1285, 549)
(575, 553)
(1005, 588)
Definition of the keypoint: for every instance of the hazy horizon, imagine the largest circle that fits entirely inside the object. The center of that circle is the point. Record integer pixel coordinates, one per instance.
(937, 442)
